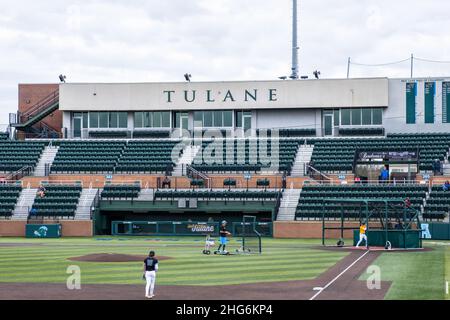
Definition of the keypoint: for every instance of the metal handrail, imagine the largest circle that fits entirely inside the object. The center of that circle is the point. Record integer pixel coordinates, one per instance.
(199, 174)
(278, 204)
(368, 182)
(19, 174)
(123, 183)
(321, 174)
(42, 104)
(95, 203)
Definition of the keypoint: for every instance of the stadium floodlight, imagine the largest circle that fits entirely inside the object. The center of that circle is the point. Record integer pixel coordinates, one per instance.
(62, 78)
(316, 74)
(188, 77)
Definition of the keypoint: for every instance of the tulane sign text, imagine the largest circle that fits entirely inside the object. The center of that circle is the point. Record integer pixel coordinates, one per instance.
(226, 96)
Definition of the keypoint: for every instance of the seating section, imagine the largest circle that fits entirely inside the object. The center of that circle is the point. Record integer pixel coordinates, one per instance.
(127, 191)
(432, 146)
(438, 204)
(147, 157)
(290, 133)
(14, 155)
(245, 155)
(361, 131)
(311, 198)
(58, 201)
(87, 156)
(154, 134)
(4, 136)
(337, 155)
(217, 195)
(9, 193)
(110, 134)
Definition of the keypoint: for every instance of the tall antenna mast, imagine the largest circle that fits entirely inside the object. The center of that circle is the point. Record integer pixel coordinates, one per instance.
(295, 47)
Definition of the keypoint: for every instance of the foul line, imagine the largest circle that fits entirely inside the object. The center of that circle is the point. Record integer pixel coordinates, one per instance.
(338, 276)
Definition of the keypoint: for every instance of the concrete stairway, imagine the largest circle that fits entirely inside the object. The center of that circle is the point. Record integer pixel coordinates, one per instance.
(24, 204)
(446, 169)
(47, 157)
(303, 157)
(288, 205)
(187, 157)
(83, 211)
(145, 195)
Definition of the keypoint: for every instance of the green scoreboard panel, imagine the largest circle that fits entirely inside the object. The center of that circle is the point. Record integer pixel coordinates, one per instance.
(411, 90)
(445, 102)
(430, 91)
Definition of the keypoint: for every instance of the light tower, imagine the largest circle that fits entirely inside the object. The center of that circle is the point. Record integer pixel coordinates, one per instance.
(295, 47)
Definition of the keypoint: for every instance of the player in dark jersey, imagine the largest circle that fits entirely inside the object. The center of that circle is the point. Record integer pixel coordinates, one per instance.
(150, 269)
(223, 232)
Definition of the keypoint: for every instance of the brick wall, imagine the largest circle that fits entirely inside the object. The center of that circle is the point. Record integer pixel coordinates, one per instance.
(70, 228)
(313, 229)
(30, 94)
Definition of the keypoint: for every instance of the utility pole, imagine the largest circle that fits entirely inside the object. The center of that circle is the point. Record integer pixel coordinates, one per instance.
(348, 67)
(294, 75)
(412, 65)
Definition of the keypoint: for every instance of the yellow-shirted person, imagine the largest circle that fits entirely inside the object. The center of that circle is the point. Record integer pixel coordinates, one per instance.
(362, 234)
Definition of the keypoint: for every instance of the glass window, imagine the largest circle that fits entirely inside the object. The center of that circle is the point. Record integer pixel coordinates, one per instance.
(147, 120)
(227, 118)
(157, 119)
(356, 117)
(138, 119)
(207, 119)
(103, 120)
(345, 117)
(93, 119)
(217, 119)
(85, 120)
(377, 116)
(336, 117)
(198, 118)
(177, 120)
(247, 122)
(165, 119)
(239, 119)
(123, 119)
(113, 119)
(366, 116)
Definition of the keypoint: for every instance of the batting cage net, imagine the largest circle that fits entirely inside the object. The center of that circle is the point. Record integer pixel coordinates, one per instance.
(251, 239)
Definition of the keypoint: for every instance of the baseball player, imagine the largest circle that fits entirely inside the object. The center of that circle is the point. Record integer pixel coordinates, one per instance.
(362, 234)
(150, 269)
(223, 236)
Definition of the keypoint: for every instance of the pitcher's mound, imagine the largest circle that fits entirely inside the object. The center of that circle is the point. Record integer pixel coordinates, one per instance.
(113, 257)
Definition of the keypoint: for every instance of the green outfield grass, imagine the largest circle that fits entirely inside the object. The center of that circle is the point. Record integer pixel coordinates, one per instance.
(282, 260)
(416, 275)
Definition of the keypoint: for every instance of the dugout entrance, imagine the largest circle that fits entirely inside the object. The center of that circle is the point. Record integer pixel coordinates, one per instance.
(390, 223)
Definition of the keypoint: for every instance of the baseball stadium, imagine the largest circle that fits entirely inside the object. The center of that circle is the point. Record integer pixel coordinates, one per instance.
(287, 189)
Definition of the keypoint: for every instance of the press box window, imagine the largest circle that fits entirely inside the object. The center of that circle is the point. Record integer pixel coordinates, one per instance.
(157, 119)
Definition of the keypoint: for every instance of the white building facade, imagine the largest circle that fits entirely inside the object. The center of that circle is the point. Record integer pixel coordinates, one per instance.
(319, 106)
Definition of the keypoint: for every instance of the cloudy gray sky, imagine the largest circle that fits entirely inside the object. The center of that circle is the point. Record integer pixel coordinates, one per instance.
(151, 40)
